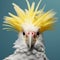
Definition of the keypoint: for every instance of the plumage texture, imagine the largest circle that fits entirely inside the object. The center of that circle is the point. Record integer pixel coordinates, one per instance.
(23, 53)
(29, 23)
(38, 18)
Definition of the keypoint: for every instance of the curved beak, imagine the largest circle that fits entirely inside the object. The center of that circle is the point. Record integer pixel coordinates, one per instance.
(31, 40)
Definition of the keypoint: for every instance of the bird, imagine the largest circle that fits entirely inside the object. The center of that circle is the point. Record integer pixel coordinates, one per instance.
(30, 25)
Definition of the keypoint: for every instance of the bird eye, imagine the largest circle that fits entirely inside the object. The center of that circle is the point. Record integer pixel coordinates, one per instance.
(23, 33)
(38, 33)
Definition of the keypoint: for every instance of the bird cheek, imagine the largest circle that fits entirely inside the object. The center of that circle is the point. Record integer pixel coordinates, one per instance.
(34, 37)
(34, 40)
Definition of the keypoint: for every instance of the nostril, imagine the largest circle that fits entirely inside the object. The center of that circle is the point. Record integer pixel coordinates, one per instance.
(32, 33)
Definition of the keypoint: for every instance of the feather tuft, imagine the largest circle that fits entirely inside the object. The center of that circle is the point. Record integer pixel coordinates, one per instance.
(32, 16)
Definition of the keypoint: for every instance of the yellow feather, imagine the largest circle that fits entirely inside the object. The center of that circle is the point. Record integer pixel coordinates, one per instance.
(19, 11)
(16, 18)
(28, 4)
(48, 15)
(38, 5)
(32, 7)
(39, 12)
(13, 22)
(38, 18)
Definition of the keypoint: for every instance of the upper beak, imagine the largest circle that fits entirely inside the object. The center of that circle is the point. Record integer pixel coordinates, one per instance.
(31, 41)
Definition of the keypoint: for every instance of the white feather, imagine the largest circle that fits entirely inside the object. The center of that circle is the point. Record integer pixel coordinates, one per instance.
(22, 52)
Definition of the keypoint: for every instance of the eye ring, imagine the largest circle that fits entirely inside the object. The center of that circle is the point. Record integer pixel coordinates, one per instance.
(23, 33)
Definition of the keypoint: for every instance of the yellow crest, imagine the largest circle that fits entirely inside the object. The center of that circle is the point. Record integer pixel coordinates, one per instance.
(38, 18)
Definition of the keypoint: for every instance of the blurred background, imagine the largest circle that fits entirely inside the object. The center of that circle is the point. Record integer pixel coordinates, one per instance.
(51, 38)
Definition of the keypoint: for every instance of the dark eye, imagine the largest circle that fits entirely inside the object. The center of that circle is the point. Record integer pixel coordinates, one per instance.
(23, 33)
(38, 33)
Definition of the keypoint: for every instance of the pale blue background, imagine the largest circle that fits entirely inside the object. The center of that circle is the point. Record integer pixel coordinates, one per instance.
(51, 38)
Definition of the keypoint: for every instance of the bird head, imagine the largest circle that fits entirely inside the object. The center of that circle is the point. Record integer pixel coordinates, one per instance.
(30, 34)
(31, 22)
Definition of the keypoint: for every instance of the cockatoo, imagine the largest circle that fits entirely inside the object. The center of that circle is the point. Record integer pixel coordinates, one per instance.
(30, 24)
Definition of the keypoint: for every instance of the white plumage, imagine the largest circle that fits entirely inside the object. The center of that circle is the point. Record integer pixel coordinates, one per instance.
(30, 24)
(22, 52)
